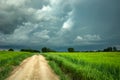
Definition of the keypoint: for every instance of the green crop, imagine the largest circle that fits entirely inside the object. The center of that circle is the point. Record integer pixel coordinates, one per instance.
(88, 66)
(8, 60)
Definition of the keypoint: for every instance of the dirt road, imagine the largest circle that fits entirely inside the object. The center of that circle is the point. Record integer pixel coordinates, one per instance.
(33, 68)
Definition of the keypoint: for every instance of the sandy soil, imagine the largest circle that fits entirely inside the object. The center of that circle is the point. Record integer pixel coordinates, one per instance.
(33, 68)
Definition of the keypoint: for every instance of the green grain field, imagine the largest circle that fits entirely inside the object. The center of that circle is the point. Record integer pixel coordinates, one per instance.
(69, 66)
(86, 65)
(9, 60)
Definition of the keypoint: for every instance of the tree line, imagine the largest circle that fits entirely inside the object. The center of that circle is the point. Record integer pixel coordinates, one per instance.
(45, 49)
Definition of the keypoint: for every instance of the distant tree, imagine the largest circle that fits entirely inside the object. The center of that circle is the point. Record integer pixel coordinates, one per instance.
(32, 50)
(44, 49)
(29, 50)
(109, 49)
(70, 49)
(11, 49)
(99, 50)
(22, 50)
(114, 49)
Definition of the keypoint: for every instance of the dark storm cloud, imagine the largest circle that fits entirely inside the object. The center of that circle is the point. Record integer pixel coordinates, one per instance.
(13, 14)
(37, 4)
(99, 17)
(10, 17)
(60, 23)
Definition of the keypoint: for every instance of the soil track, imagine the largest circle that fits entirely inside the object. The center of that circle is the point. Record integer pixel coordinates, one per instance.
(33, 68)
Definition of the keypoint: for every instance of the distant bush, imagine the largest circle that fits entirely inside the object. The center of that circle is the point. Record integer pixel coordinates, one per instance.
(29, 50)
(110, 49)
(115, 49)
(45, 49)
(71, 50)
(11, 49)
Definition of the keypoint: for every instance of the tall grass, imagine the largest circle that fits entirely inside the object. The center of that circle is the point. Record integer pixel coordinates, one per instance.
(58, 71)
(88, 66)
(107, 63)
(8, 60)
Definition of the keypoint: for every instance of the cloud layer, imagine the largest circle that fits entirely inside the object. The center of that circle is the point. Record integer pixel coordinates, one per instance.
(59, 23)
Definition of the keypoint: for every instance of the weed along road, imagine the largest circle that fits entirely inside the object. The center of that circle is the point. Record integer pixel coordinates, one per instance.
(33, 68)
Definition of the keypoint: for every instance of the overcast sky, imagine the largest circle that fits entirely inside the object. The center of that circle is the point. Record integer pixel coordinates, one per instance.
(59, 24)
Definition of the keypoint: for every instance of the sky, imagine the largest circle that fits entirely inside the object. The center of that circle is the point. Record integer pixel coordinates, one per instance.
(59, 24)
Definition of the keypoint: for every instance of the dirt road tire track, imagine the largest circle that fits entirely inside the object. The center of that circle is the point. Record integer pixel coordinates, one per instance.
(33, 68)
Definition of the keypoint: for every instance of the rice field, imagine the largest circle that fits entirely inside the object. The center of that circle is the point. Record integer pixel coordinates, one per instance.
(9, 60)
(69, 66)
(86, 65)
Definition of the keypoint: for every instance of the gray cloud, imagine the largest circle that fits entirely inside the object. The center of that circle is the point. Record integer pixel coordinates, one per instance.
(59, 23)
(14, 13)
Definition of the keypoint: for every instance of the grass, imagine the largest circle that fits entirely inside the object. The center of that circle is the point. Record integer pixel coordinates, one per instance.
(58, 71)
(8, 61)
(88, 66)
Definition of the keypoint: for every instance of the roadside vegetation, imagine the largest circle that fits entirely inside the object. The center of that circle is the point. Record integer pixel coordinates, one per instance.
(72, 65)
(9, 60)
(86, 65)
